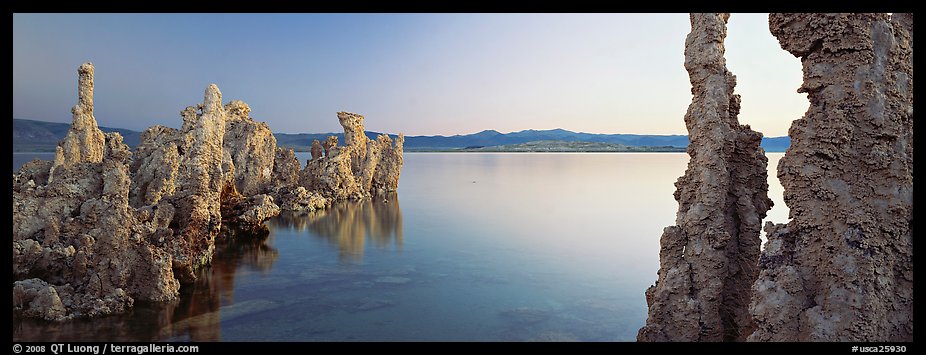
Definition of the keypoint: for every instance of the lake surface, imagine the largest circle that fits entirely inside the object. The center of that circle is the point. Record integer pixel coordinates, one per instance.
(473, 247)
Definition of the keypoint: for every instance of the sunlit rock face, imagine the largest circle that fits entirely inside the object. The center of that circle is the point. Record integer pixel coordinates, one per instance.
(359, 169)
(842, 268)
(708, 259)
(330, 174)
(254, 177)
(386, 175)
(187, 164)
(355, 141)
(252, 148)
(84, 140)
(186, 169)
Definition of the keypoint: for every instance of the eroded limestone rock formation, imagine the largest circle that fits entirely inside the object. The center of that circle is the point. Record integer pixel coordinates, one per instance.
(355, 140)
(331, 175)
(708, 259)
(359, 169)
(316, 149)
(286, 168)
(386, 176)
(219, 166)
(101, 227)
(79, 248)
(252, 148)
(250, 153)
(247, 214)
(84, 141)
(156, 165)
(200, 182)
(287, 191)
(842, 268)
(330, 146)
(299, 199)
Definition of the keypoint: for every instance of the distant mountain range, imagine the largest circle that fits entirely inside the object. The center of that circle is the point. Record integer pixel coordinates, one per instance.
(564, 146)
(41, 136)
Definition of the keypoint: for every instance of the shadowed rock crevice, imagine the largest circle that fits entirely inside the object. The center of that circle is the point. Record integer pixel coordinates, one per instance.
(842, 268)
(708, 259)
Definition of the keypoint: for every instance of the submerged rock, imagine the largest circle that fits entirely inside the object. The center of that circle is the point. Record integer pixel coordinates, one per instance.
(708, 259)
(211, 320)
(842, 268)
(526, 315)
(393, 280)
(367, 304)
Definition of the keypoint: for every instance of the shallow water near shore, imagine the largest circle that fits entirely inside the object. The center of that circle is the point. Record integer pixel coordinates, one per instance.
(473, 246)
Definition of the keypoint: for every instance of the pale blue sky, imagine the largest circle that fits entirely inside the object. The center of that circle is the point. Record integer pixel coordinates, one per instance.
(421, 74)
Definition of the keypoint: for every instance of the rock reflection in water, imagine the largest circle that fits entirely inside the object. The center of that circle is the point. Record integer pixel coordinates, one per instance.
(350, 224)
(194, 316)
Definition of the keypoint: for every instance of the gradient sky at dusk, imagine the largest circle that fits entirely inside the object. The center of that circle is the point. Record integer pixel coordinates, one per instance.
(420, 74)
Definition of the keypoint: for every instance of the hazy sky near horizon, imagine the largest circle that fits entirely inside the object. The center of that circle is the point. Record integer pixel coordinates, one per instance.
(421, 74)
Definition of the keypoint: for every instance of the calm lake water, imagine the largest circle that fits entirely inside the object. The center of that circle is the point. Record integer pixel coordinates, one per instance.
(474, 246)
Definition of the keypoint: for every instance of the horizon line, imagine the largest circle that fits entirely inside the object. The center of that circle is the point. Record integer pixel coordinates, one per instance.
(427, 135)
